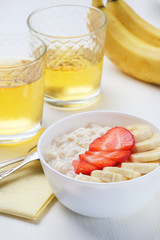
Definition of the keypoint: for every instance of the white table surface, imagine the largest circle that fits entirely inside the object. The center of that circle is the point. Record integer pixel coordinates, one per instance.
(119, 92)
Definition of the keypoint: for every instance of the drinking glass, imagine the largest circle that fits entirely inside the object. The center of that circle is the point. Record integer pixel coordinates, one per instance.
(22, 58)
(75, 37)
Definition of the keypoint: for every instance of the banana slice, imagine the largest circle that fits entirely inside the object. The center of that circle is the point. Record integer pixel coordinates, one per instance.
(140, 132)
(87, 178)
(96, 173)
(147, 144)
(142, 168)
(127, 173)
(108, 176)
(148, 156)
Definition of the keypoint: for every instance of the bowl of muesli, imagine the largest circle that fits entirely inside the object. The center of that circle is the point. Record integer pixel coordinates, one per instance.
(102, 164)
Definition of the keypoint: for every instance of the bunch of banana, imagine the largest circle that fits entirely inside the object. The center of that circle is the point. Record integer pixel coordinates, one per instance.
(132, 44)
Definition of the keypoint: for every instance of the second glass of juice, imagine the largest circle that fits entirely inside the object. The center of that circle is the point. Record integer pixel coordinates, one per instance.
(75, 37)
(22, 62)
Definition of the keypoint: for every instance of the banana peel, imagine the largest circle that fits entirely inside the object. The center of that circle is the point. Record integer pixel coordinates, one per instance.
(134, 23)
(132, 44)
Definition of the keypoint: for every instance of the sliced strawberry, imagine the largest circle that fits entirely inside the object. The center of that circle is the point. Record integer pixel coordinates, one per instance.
(99, 162)
(117, 138)
(103, 159)
(118, 156)
(83, 167)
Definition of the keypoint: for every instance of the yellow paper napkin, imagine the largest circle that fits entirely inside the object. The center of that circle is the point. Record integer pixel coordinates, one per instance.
(25, 193)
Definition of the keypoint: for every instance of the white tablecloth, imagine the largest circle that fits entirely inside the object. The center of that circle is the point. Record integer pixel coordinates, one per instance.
(119, 92)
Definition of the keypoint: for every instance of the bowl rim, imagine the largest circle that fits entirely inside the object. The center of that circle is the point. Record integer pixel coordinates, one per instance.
(42, 160)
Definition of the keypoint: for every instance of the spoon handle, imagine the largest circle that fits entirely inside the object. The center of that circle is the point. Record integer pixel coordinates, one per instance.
(32, 157)
(15, 160)
(11, 161)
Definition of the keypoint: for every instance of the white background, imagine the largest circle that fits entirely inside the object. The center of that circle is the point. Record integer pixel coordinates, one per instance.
(119, 92)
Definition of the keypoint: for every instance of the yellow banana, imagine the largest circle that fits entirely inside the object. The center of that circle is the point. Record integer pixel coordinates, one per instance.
(96, 173)
(88, 178)
(148, 156)
(131, 43)
(141, 132)
(147, 144)
(142, 168)
(107, 176)
(128, 173)
(133, 22)
(131, 54)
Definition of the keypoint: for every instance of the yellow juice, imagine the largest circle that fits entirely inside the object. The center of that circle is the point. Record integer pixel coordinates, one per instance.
(69, 77)
(21, 104)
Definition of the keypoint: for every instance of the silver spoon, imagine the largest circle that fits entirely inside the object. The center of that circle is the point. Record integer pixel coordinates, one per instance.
(15, 160)
(32, 156)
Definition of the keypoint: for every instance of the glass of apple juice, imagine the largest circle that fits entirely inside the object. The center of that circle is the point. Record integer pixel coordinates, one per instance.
(22, 59)
(75, 37)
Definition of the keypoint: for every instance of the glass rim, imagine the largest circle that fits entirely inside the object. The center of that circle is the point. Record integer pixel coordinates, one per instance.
(67, 5)
(31, 62)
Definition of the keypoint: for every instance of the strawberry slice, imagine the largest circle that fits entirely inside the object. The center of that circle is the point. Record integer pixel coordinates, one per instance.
(103, 159)
(117, 138)
(83, 167)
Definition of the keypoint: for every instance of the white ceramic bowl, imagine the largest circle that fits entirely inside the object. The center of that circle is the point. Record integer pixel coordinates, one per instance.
(99, 200)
